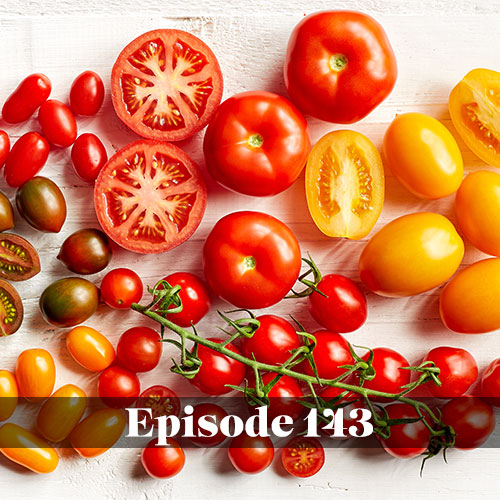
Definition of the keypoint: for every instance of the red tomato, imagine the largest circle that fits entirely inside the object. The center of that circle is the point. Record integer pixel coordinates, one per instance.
(257, 144)
(26, 159)
(339, 66)
(490, 383)
(334, 392)
(150, 197)
(4, 147)
(344, 307)
(166, 85)
(161, 400)
(215, 411)
(283, 397)
(58, 123)
(139, 349)
(303, 456)
(120, 288)
(162, 462)
(251, 259)
(118, 387)
(250, 455)
(28, 96)
(217, 370)
(86, 94)
(88, 155)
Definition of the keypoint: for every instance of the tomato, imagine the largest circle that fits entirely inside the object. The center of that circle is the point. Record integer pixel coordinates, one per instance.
(210, 410)
(28, 96)
(120, 288)
(469, 302)
(423, 156)
(490, 383)
(58, 123)
(150, 197)
(86, 94)
(166, 85)
(342, 308)
(11, 309)
(283, 397)
(474, 105)
(345, 184)
(257, 144)
(339, 65)
(139, 349)
(118, 387)
(90, 349)
(26, 159)
(163, 462)
(8, 394)
(88, 155)
(19, 260)
(251, 259)
(6, 213)
(410, 255)
(4, 147)
(250, 455)
(458, 371)
(161, 400)
(273, 342)
(218, 370)
(303, 456)
(35, 374)
(330, 393)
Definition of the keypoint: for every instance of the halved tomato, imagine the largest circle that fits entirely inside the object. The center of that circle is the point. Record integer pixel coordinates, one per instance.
(150, 197)
(166, 84)
(345, 184)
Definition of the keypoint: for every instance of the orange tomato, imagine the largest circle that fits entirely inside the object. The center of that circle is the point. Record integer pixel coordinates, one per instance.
(35, 374)
(8, 394)
(423, 156)
(345, 184)
(474, 106)
(90, 348)
(411, 255)
(27, 449)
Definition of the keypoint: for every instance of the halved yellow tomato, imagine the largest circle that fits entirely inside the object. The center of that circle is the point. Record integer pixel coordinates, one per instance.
(8, 394)
(345, 184)
(475, 112)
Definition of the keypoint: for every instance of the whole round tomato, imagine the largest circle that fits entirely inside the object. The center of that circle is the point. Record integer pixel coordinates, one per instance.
(251, 259)
(120, 288)
(162, 462)
(490, 383)
(162, 401)
(88, 155)
(35, 374)
(303, 456)
(339, 65)
(118, 387)
(283, 397)
(9, 393)
(217, 413)
(86, 94)
(90, 348)
(58, 123)
(4, 147)
(342, 308)
(250, 455)
(257, 144)
(139, 349)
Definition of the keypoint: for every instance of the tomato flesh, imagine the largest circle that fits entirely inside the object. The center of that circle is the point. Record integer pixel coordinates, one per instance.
(303, 457)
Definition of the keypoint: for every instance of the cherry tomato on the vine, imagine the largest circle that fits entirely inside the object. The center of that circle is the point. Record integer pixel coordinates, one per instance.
(120, 288)
(161, 400)
(4, 147)
(283, 397)
(118, 387)
(215, 413)
(162, 462)
(303, 456)
(250, 455)
(86, 94)
(490, 383)
(58, 123)
(88, 155)
(139, 349)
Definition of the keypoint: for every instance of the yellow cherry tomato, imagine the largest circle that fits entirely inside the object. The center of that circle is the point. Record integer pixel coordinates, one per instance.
(8, 394)
(423, 156)
(27, 449)
(61, 412)
(35, 374)
(411, 255)
(90, 348)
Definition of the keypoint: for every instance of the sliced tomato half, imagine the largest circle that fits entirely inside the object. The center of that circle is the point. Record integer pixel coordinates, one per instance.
(150, 197)
(166, 85)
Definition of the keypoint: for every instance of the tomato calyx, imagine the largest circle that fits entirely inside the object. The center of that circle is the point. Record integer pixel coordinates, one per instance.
(250, 263)
(337, 62)
(256, 140)
(311, 286)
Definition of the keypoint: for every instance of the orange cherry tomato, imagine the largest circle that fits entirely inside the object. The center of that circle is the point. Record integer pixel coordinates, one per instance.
(27, 449)
(410, 255)
(61, 412)
(35, 374)
(90, 348)
(8, 394)
(423, 156)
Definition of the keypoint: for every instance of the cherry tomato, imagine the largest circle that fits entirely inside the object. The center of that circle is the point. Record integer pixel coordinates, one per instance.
(28, 96)
(217, 413)
(139, 349)
(283, 397)
(26, 159)
(490, 383)
(8, 394)
(303, 456)
(88, 155)
(86, 94)
(120, 288)
(118, 387)
(250, 455)
(162, 462)
(58, 123)
(251, 259)
(161, 400)
(4, 147)
(339, 65)
(330, 393)
(35, 374)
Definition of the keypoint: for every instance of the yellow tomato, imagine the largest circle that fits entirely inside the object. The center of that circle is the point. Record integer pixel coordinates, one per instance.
(90, 348)
(8, 394)
(35, 374)
(345, 184)
(411, 255)
(423, 156)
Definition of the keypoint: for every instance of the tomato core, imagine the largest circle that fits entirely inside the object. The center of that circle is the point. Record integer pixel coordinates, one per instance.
(256, 140)
(337, 62)
(249, 263)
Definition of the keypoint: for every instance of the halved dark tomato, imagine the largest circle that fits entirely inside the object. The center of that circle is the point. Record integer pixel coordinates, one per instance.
(166, 84)
(19, 260)
(11, 309)
(150, 197)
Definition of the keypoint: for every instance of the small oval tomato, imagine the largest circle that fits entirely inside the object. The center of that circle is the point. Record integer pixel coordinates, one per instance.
(162, 462)
(139, 349)
(90, 348)
(88, 155)
(118, 387)
(86, 94)
(35, 374)
(490, 383)
(4, 147)
(303, 456)
(410, 255)
(58, 123)
(120, 288)
(161, 400)
(250, 455)
(283, 397)
(8, 394)
(28, 96)
(423, 156)
(215, 413)
(6, 212)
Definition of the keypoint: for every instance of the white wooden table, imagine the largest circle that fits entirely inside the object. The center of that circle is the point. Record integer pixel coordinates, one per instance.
(436, 43)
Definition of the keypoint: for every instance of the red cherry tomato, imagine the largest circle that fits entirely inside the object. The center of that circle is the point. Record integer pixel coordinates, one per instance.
(28, 96)
(26, 159)
(161, 400)
(86, 94)
(88, 155)
(250, 455)
(162, 462)
(58, 123)
(120, 288)
(344, 307)
(139, 349)
(215, 411)
(303, 456)
(334, 393)
(118, 387)
(283, 397)
(4, 147)
(490, 383)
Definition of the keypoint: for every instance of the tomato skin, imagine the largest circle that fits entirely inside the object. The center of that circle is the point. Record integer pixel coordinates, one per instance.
(88, 155)
(218, 413)
(303, 456)
(120, 288)
(250, 455)
(86, 94)
(58, 123)
(162, 462)
(35, 374)
(139, 349)
(490, 383)
(161, 400)
(251, 259)
(8, 394)
(26, 159)
(28, 96)
(343, 93)
(4, 147)
(118, 387)
(90, 348)
(283, 397)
